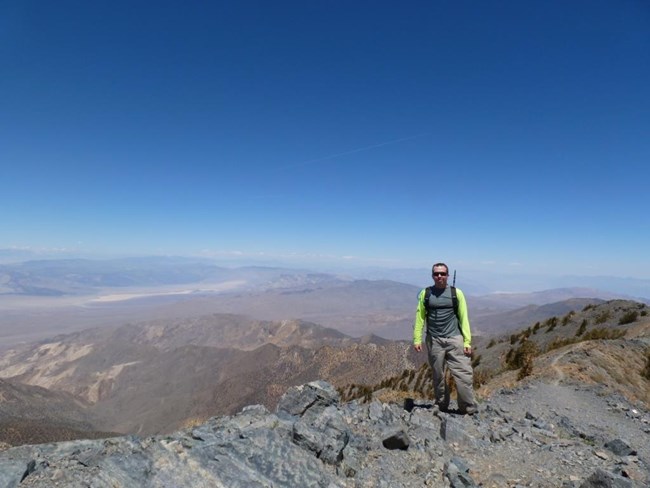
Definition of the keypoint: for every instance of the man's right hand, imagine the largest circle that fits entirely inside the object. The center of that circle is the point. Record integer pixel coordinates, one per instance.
(417, 347)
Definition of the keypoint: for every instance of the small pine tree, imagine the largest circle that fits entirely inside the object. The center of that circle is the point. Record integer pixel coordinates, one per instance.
(567, 318)
(551, 324)
(582, 328)
(516, 357)
(527, 352)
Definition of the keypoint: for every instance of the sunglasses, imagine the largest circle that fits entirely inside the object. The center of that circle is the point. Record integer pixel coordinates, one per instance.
(439, 274)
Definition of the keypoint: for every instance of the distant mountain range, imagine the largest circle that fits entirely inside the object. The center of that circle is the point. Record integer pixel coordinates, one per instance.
(42, 298)
(59, 277)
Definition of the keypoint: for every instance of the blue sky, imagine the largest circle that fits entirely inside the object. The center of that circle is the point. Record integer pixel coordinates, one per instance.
(511, 135)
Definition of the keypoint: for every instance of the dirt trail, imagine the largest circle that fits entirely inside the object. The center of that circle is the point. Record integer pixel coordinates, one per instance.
(560, 375)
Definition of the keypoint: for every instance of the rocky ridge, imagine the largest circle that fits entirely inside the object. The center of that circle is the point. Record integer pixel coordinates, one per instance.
(538, 435)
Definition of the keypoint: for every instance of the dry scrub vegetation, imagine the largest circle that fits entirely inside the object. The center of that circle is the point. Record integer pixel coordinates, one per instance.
(606, 344)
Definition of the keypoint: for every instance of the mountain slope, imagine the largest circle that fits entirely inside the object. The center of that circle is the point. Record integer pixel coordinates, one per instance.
(499, 323)
(605, 345)
(155, 376)
(33, 415)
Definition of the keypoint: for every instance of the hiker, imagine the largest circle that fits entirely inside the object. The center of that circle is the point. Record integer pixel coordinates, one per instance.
(449, 340)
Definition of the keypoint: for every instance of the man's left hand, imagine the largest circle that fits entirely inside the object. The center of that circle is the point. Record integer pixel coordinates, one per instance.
(468, 351)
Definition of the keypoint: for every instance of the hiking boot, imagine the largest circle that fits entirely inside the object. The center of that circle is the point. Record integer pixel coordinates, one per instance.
(471, 410)
(409, 404)
(441, 408)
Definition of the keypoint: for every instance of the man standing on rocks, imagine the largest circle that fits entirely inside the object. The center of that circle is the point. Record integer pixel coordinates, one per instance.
(449, 340)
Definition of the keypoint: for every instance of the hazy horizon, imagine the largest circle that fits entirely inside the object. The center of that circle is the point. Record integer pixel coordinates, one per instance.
(475, 281)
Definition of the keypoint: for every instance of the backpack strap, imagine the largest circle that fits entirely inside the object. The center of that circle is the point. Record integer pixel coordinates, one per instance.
(454, 299)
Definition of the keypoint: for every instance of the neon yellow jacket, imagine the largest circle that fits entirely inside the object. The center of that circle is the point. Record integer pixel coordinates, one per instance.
(463, 319)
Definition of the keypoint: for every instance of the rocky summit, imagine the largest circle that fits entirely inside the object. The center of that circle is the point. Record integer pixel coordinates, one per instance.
(537, 435)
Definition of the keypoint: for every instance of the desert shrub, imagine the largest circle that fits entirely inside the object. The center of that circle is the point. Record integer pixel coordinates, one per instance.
(513, 338)
(558, 343)
(481, 377)
(536, 327)
(491, 343)
(476, 360)
(193, 422)
(644, 313)
(582, 328)
(352, 391)
(588, 307)
(629, 317)
(429, 391)
(646, 371)
(605, 334)
(526, 369)
(602, 317)
(451, 383)
(509, 355)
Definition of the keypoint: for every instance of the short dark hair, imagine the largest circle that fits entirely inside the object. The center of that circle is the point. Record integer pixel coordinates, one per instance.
(440, 264)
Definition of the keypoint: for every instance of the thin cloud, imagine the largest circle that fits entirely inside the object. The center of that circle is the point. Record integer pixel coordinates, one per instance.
(347, 153)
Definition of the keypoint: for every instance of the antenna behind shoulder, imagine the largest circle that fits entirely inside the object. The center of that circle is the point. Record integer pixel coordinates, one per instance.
(454, 282)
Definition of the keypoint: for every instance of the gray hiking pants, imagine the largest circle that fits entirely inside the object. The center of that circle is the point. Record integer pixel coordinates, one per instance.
(449, 352)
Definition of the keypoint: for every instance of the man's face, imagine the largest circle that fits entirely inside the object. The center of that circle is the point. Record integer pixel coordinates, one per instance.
(440, 276)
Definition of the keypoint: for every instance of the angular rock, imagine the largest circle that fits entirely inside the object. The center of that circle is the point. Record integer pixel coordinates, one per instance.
(458, 476)
(325, 434)
(453, 430)
(298, 399)
(312, 441)
(620, 448)
(604, 479)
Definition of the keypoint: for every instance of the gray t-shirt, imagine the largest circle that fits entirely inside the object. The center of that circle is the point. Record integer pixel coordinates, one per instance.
(441, 319)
